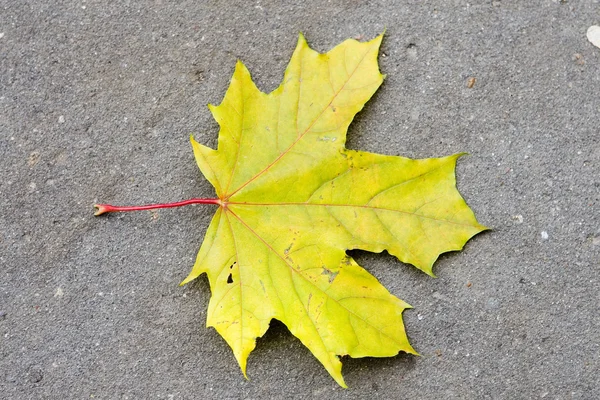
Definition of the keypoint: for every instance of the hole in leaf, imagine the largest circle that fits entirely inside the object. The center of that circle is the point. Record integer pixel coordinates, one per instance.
(229, 279)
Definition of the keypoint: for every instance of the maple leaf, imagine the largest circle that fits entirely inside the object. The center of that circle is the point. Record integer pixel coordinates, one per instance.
(292, 200)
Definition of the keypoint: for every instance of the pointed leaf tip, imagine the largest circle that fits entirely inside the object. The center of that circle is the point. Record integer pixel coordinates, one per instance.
(301, 37)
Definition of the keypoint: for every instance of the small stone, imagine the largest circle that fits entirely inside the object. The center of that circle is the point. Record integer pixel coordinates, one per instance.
(61, 119)
(578, 59)
(35, 375)
(593, 35)
(2, 315)
(518, 218)
(34, 158)
(471, 82)
(59, 293)
(544, 235)
(492, 303)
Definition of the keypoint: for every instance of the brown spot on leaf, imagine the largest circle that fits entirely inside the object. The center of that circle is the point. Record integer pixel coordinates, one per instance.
(329, 273)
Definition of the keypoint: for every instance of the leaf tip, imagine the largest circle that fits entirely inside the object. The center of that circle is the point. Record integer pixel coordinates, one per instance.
(378, 39)
(301, 38)
(413, 352)
(456, 156)
(483, 228)
(339, 379)
(427, 266)
(189, 278)
(196, 146)
(240, 72)
(242, 360)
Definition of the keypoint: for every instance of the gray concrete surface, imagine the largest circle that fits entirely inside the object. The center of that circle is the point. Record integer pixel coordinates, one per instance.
(97, 100)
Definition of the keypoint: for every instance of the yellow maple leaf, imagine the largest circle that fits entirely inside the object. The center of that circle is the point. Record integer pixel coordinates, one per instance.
(292, 199)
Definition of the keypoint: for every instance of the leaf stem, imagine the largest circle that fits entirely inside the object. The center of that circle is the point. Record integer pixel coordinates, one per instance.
(107, 208)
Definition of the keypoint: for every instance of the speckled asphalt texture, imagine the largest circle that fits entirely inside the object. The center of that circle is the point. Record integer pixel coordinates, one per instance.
(97, 101)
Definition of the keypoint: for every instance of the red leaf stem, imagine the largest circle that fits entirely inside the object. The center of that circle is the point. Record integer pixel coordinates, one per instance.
(107, 208)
